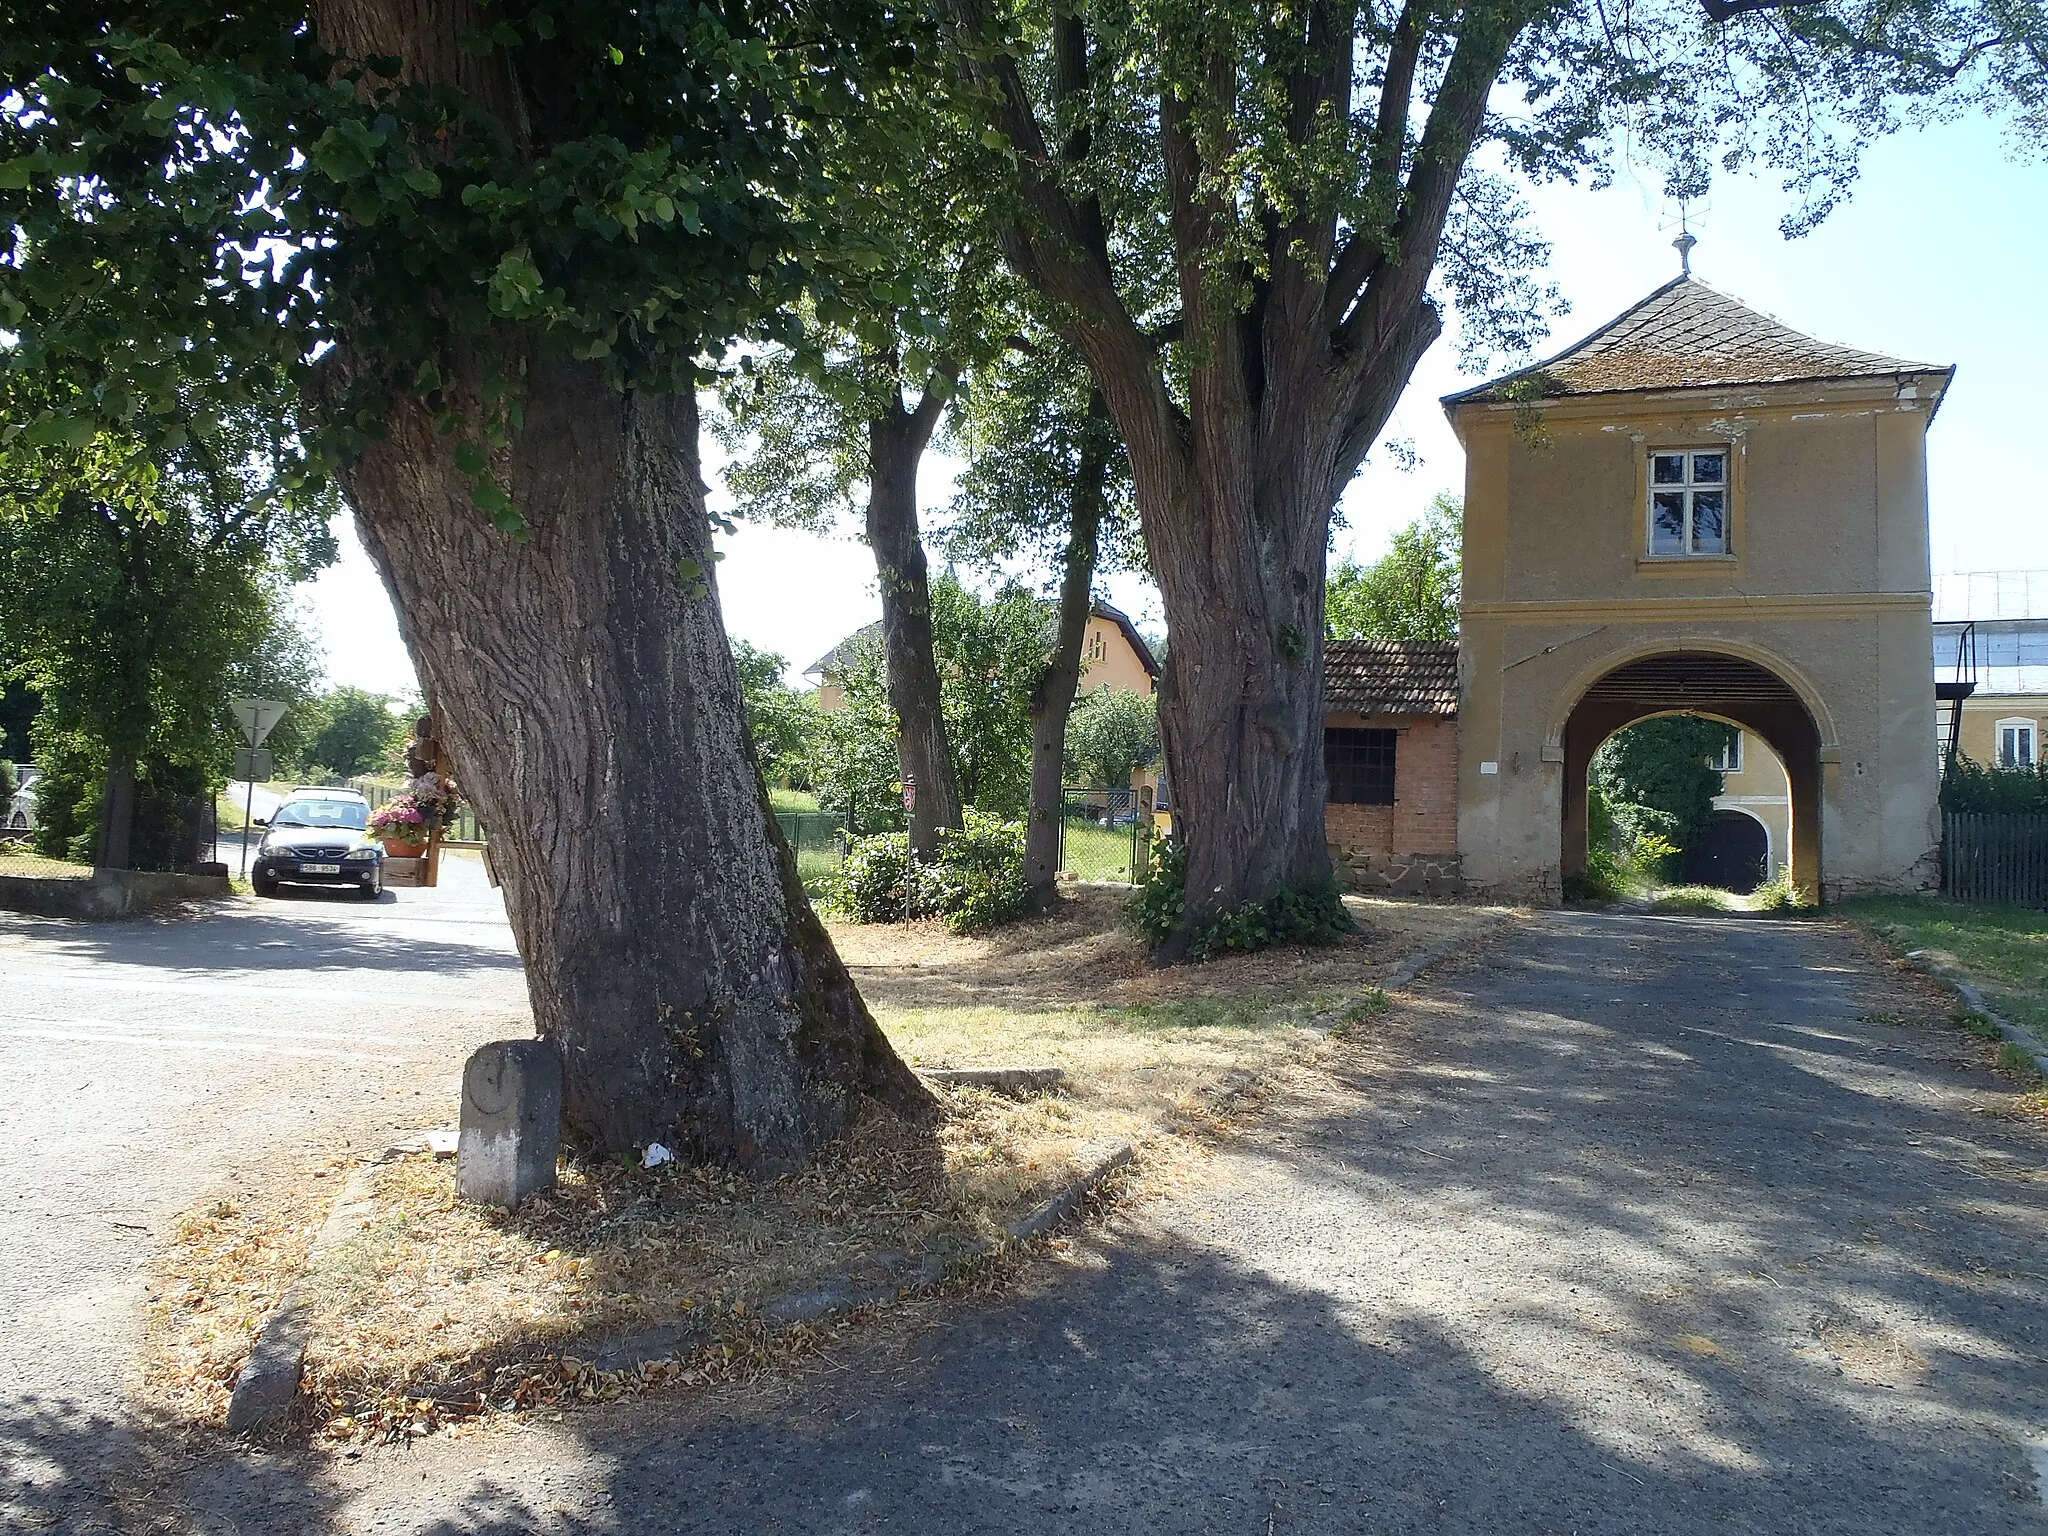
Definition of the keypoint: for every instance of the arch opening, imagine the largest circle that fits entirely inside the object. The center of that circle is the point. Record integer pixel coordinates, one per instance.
(1733, 689)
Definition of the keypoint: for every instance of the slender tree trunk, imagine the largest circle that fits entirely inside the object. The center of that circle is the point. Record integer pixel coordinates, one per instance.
(896, 443)
(1052, 701)
(588, 700)
(117, 812)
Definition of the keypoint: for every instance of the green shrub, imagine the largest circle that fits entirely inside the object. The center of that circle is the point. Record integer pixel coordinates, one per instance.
(1603, 879)
(1968, 786)
(1310, 915)
(1778, 895)
(980, 874)
(976, 882)
(1157, 906)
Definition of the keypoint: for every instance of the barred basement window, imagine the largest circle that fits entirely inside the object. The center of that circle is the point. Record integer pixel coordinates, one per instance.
(1360, 766)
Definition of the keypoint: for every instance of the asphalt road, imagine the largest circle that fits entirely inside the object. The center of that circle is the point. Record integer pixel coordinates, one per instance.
(1632, 1225)
(143, 1062)
(1635, 1225)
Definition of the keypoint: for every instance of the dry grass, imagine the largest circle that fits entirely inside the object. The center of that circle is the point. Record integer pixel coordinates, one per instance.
(439, 1309)
(225, 1269)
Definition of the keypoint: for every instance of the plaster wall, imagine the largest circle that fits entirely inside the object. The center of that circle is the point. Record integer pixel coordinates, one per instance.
(1983, 711)
(1760, 789)
(1826, 586)
(1109, 660)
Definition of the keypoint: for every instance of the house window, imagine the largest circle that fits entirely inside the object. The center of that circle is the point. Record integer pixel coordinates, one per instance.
(2015, 743)
(1730, 758)
(1689, 502)
(1360, 766)
(1098, 648)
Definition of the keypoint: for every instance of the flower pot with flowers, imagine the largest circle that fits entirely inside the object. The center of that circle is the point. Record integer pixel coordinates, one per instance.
(402, 825)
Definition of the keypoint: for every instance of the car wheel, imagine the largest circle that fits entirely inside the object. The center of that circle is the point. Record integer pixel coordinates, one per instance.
(375, 888)
(264, 885)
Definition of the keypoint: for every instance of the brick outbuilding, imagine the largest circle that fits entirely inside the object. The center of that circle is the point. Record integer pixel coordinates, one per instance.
(1390, 750)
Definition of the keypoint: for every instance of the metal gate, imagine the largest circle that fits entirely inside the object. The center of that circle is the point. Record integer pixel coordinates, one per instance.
(1103, 834)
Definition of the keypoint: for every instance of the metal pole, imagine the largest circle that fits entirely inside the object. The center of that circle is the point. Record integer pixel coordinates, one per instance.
(247, 811)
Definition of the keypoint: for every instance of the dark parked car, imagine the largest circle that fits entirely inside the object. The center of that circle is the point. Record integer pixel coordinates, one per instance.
(320, 837)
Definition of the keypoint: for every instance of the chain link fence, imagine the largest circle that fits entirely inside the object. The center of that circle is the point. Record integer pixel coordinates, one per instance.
(1103, 834)
(818, 839)
(171, 835)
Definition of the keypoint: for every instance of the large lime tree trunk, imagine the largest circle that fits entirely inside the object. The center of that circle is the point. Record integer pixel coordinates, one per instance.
(589, 702)
(1289, 363)
(587, 698)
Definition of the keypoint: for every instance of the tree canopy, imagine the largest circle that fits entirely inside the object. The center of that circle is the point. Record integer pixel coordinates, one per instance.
(1410, 592)
(1251, 217)
(990, 652)
(1111, 734)
(1664, 765)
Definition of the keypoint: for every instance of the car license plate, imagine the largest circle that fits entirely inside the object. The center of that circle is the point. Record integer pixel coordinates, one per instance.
(319, 869)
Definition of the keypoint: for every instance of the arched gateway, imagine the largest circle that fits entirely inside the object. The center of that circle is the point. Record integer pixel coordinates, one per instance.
(1731, 688)
(1699, 509)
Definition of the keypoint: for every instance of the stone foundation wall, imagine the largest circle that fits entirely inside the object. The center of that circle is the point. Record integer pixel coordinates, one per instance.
(1399, 874)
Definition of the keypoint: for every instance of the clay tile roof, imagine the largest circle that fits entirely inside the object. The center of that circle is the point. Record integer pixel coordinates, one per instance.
(1689, 336)
(1390, 677)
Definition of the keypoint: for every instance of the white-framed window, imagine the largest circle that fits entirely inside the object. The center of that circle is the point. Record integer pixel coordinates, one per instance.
(1688, 511)
(1730, 758)
(2015, 743)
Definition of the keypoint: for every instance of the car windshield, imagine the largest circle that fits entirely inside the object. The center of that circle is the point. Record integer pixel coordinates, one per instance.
(351, 814)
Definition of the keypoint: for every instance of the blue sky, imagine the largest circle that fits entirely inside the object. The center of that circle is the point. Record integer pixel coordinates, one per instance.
(1938, 258)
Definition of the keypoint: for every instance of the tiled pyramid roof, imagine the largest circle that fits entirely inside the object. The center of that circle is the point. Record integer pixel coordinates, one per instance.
(1689, 336)
(1390, 677)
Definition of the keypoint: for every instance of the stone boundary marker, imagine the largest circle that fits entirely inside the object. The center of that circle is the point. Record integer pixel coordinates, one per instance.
(1923, 962)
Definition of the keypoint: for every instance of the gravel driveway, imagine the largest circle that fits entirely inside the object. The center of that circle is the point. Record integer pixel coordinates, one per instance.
(142, 1062)
(1634, 1225)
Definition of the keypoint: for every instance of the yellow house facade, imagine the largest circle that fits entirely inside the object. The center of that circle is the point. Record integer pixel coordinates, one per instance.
(1698, 509)
(1992, 630)
(1113, 655)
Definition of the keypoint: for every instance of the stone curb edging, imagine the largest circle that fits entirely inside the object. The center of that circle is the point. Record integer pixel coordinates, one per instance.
(1920, 960)
(268, 1384)
(1404, 974)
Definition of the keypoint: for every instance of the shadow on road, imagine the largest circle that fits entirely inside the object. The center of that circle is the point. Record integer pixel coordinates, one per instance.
(1632, 1229)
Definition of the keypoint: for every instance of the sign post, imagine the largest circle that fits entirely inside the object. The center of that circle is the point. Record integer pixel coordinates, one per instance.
(909, 849)
(257, 718)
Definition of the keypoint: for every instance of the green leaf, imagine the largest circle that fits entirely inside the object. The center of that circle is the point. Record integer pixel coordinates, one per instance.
(471, 459)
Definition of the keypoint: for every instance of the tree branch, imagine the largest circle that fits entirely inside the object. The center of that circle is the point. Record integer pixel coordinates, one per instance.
(1455, 119)
(1362, 252)
(1722, 10)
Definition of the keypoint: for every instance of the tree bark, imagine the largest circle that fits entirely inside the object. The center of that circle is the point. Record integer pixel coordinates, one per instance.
(1288, 372)
(587, 697)
(588, 700)
(896, 443)
(1052, 701)
(117, 813)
